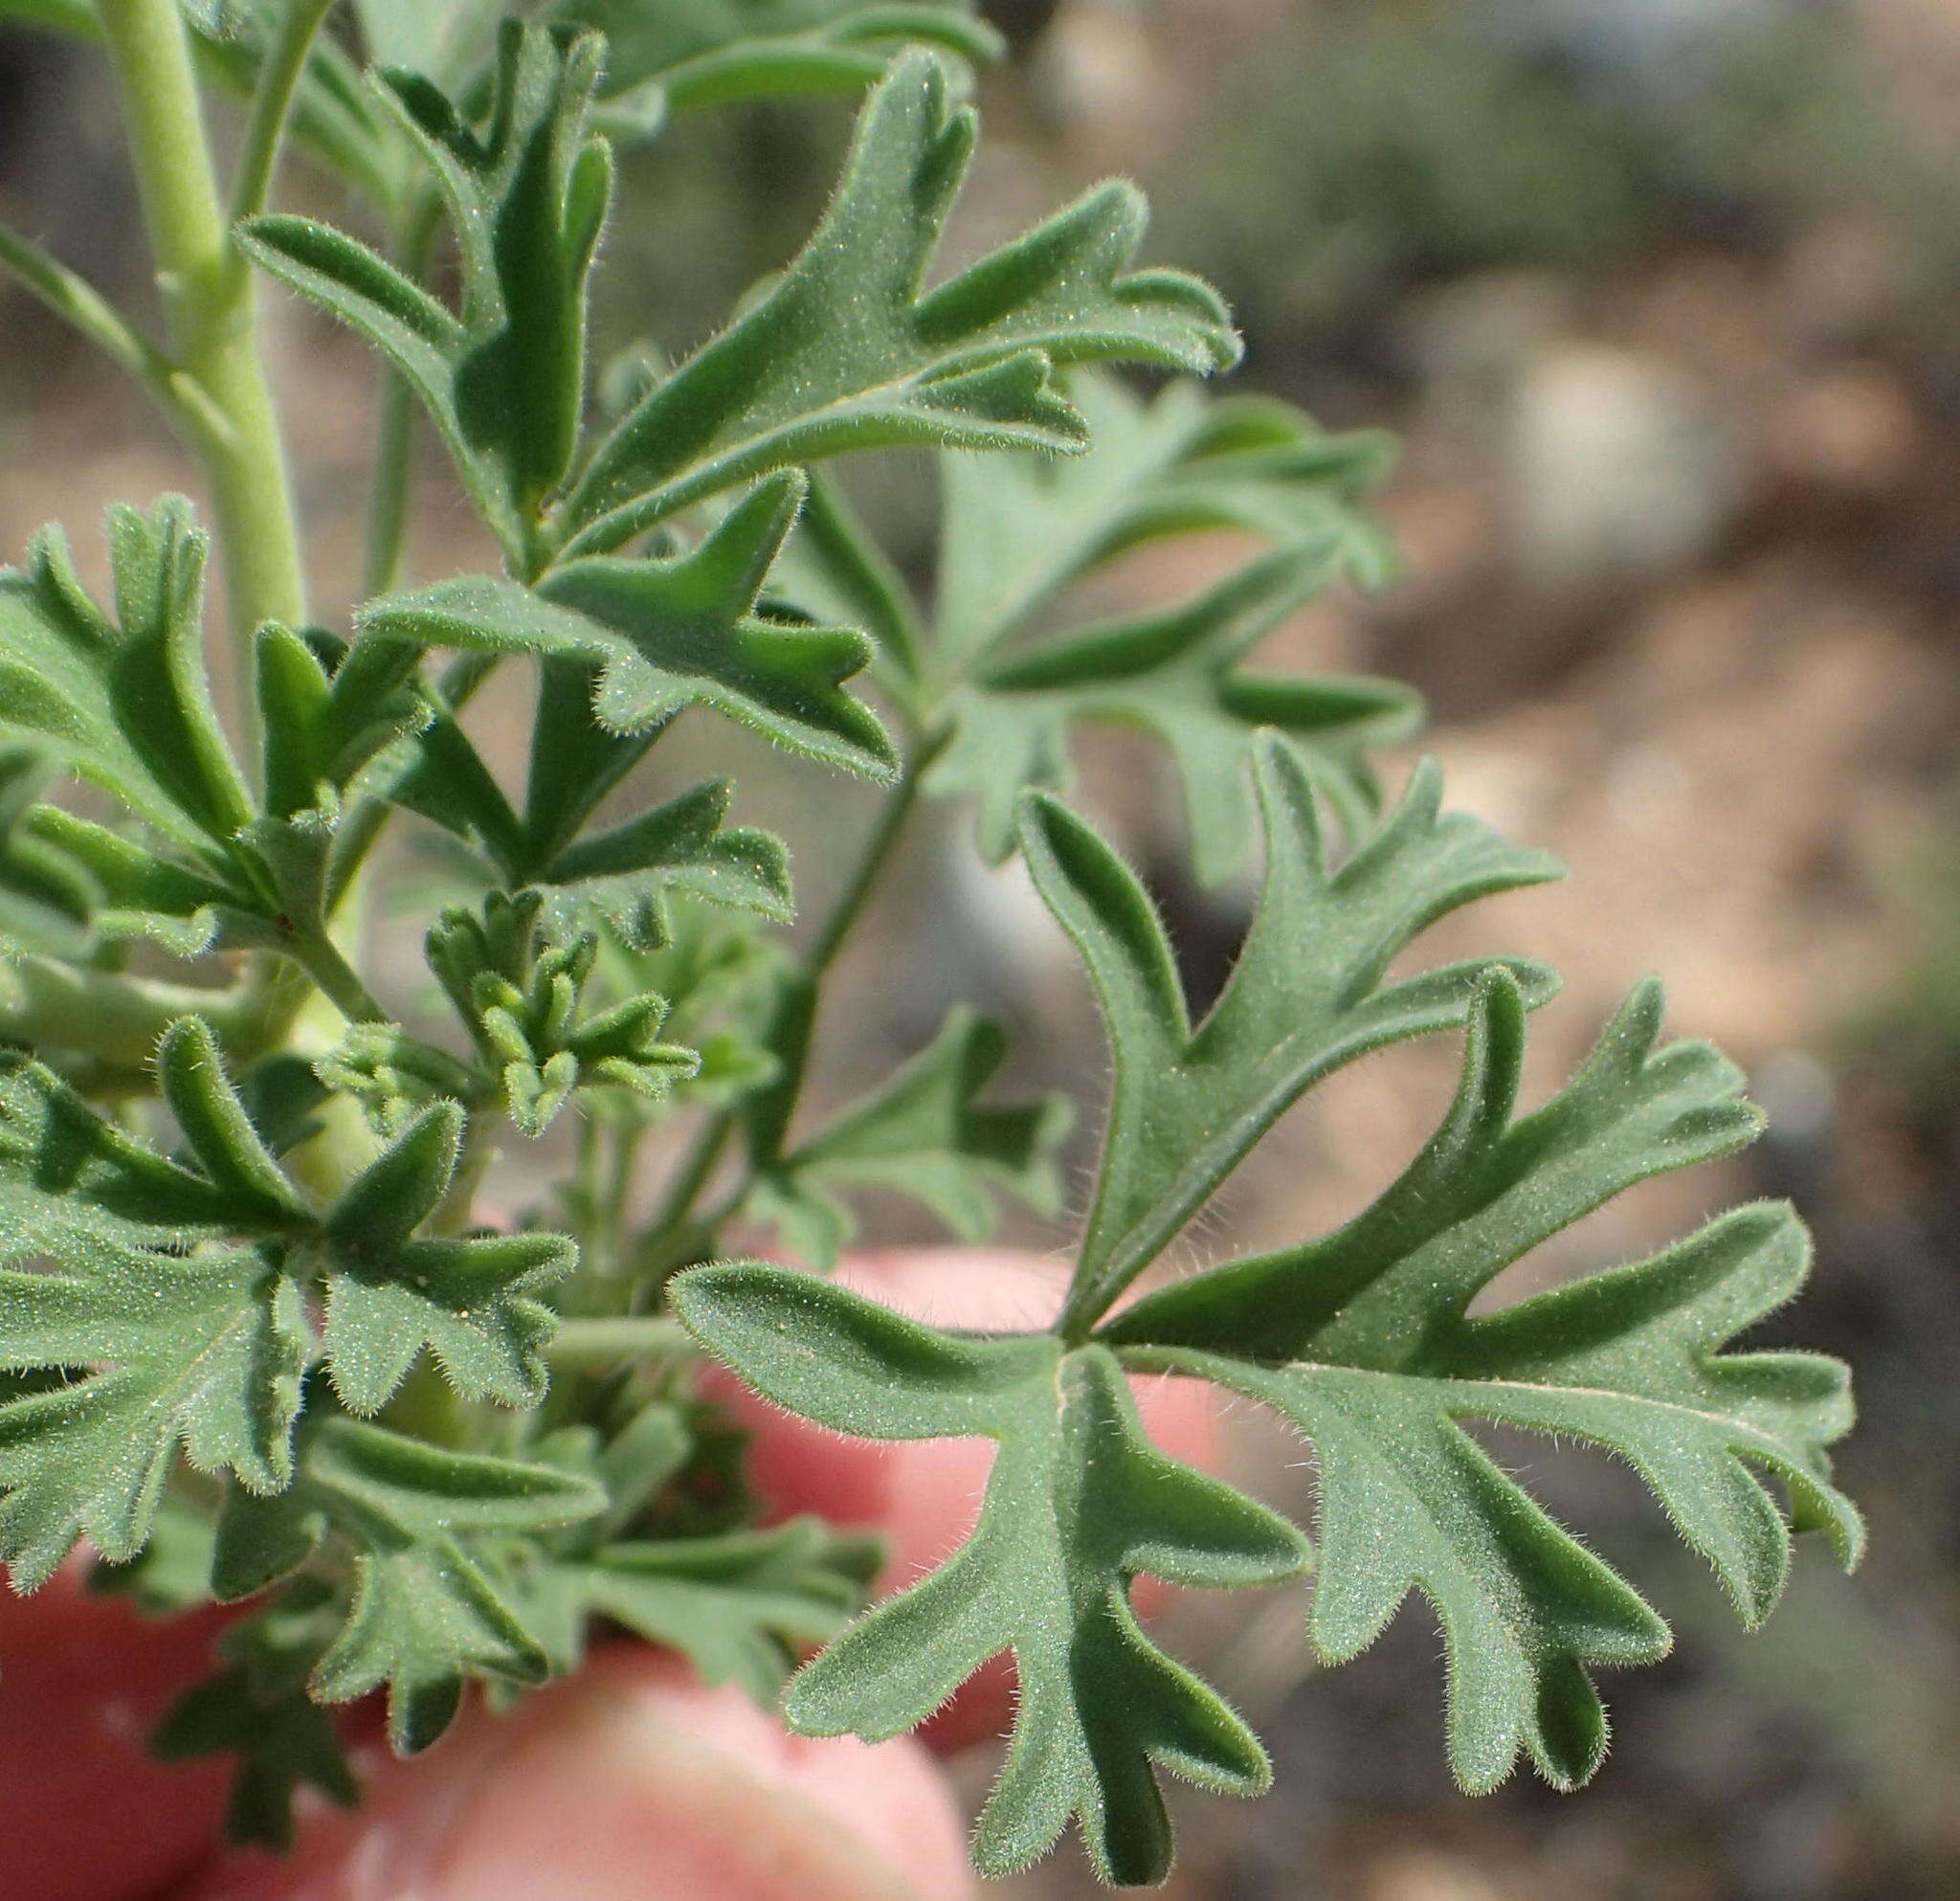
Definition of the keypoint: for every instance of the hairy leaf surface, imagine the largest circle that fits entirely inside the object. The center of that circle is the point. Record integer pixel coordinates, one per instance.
(1078, 1504)
(424, 1615)
(671, 634)
(1362, 1341)
(1187, 1102)
(1017, 530)
(179, 1295)
(848, 349)
(703, 53)
(743, 1607)
(528, 196)
(1178, 675)
(122, 702)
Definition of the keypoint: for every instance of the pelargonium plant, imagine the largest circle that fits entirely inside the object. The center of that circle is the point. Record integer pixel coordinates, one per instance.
(265, 1339)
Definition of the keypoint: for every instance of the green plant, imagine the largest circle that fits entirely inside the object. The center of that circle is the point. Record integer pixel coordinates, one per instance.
(257, 1344)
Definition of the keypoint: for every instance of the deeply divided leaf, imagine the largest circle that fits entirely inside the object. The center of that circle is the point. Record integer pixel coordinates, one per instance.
(121, 700)
(1078, 1504)
(1175, 673)
(1189, 1101)
(699, 55)
(424, 1615)
(253, 1344)
(178, 1298)
(1362, 1341)
(528, 195)
(925, 1134)
(1018, 530)
(671, 634)
(849, 349)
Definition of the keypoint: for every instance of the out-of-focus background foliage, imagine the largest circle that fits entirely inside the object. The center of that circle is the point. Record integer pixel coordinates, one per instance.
(1660, 295)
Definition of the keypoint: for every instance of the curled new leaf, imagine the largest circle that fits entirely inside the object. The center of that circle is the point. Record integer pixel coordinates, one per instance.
(520, 990)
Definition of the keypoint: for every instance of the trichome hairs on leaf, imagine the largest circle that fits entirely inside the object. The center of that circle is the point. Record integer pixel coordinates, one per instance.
(274, 1332)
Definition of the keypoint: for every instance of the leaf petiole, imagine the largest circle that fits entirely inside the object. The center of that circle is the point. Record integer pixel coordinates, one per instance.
(611, 1338)
(272, 105)
(86, 310)
(673, 1234)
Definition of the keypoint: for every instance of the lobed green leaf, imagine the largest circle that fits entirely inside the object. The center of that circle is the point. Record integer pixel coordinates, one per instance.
(671, 634)
(123, 702)
(204, 1351)
(925, 1134)
(1078, 1506)
(848, 349)
(424, 1614)
(1178, 675)
(1362, 1341)
(1187, 1102)
(1017, 530)
(527, 197)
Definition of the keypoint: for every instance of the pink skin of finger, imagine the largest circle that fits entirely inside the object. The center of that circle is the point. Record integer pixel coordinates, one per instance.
(924, 1496)
(634, 1782)
(82, 1680)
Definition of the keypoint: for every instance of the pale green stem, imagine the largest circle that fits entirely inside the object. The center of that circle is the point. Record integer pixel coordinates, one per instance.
(208, 302)
(673, 1225)
(73, 17)
(453, 1214)
(118, 1018)
(208, 305)
(272, 104)
(617, 1193)
(78, 302)
(388, 495)
(611, 1339)
(339, 980)
(850, 903)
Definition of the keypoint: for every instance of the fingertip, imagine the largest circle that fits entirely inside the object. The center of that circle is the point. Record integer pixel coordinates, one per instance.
(634, 1781)
(83, 1682)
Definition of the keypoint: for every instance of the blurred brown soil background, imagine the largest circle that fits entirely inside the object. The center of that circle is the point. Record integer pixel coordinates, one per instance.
(1659, 296)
